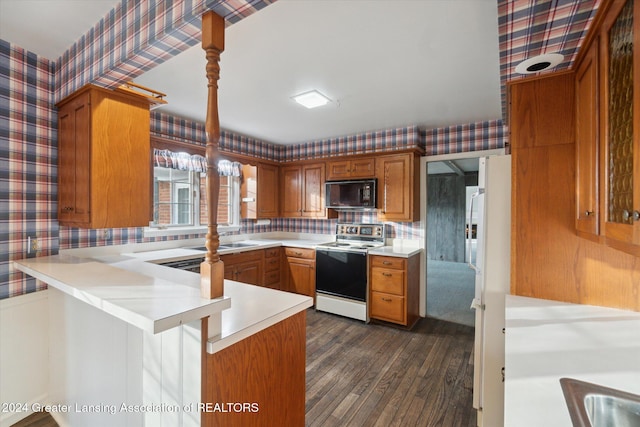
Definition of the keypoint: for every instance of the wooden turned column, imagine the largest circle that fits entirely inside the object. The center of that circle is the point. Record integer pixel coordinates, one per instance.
(212, 269)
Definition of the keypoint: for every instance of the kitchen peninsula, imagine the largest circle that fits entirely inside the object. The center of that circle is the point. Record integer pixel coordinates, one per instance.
(133, 343)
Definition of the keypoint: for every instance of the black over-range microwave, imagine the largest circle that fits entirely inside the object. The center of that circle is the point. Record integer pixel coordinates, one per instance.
(352, 194)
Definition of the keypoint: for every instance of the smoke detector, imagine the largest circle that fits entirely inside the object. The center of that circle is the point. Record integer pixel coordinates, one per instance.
(539, 63)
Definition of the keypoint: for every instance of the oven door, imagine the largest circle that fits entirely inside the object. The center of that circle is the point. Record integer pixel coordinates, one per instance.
(342, 273)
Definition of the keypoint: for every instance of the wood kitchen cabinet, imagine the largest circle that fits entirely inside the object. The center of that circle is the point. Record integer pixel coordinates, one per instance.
(398, 187)
(272, 267)
(620, 114)
(394, 289)
(350, 169)
(587, 128)
(245, 267)
(300, 271)
(259, 191)
(104, 159)
(608, 130)
(303, 191)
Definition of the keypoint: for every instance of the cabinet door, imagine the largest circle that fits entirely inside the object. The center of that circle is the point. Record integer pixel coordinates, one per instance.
(249, 272)
(338, 170)
(587, 143)
(363, 168)
(395, 187)
(621, 143)
(246, 267)
(74, 162)
(313, 191)
(267, 191)
(301, 276)
(291, 191)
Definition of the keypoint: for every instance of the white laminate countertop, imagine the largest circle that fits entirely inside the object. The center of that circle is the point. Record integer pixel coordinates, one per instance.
(175, 254)
(396, 251)
(253, 308)
(141, 294)
(547, 340)
(132, 287)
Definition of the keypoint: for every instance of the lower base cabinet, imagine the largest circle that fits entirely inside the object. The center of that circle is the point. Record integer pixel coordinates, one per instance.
(245, 267)
(259, 381)
(394, 289)
(300, 271)
(272, 266)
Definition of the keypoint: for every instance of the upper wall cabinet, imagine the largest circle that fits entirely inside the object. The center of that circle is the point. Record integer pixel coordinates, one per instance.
(259, 191)
(620, 113)
(586, 86)
(349, 169)
(398, 187)
(302, 189)
(104, 163)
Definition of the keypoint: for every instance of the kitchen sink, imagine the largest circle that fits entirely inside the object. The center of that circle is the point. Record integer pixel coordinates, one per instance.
(236, 245)
(593, 405)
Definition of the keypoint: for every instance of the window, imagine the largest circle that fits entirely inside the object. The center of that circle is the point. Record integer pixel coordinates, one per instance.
(179, 195)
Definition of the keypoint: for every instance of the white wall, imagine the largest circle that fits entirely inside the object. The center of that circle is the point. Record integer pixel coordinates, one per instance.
(24, 353)
(99, 363)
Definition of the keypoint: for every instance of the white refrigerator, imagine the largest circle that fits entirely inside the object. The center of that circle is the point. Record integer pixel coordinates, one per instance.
(492, 202)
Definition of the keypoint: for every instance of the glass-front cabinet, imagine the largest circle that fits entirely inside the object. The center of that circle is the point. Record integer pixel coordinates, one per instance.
(620, 113)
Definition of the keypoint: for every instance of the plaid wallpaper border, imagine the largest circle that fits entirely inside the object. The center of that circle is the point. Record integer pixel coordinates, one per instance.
(28, 164)
(137, 35)
(469, 137)
(364, 143)
(528, 28)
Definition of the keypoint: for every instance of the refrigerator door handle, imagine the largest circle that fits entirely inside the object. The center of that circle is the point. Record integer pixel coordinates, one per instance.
(476, 304)
(469, 232)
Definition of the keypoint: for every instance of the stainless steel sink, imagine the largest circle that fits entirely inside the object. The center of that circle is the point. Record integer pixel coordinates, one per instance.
(237, 245)
(593, 405)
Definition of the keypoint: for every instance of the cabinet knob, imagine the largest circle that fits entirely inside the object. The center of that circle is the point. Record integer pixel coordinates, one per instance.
(626, 215)
(588, 213)
(636, 215)
(386, 274)
(386, 299)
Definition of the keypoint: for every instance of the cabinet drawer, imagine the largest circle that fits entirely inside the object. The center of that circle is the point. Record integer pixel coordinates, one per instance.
(300, 253)
(271, 264)
(271, 252)
(271, 278)
(387, 307)
(229, 259)
(388, 262)
(387, 280)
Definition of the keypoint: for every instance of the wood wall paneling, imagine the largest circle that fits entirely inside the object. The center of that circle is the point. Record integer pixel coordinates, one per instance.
(446, 196)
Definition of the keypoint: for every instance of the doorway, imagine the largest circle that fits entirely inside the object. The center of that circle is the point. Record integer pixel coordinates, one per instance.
(448, 182)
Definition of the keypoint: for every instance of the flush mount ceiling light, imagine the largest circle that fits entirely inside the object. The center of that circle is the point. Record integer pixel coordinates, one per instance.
(311, 99)
(539, 63)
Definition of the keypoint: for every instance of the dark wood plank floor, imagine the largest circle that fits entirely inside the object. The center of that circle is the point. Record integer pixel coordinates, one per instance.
(38, 419)
(378, 375)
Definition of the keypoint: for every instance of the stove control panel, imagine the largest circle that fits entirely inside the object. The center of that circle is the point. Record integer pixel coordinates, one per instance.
(360, 230)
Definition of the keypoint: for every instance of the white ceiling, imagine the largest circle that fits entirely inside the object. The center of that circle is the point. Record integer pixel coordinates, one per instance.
(384, 63)
(457, 166)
